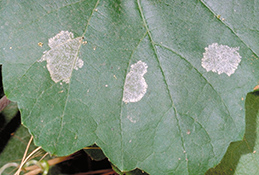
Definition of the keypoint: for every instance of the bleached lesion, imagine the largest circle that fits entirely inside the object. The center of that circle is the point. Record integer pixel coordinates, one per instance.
(221, 59)
(62, 58)
(135, 85)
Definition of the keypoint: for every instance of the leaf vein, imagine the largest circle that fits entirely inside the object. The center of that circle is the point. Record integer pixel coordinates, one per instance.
(161, 69)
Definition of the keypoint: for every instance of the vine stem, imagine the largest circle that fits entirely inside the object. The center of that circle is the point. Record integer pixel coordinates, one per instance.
(27, 148)
(34, 169)
(23, 162)
(24, 155)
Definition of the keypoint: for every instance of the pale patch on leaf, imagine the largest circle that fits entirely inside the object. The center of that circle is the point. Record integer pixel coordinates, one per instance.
(135, 85)
(131, 119)
(62, 58)
(221, 59)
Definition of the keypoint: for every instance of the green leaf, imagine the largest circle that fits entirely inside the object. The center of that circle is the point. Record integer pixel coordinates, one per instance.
(242, 156)
(180, 118)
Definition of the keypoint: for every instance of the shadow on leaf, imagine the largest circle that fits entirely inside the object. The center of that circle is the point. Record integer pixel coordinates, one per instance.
(236, 150)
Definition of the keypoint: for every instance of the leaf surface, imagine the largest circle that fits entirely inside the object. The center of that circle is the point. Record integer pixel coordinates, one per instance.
(187, 116)
(242, 156)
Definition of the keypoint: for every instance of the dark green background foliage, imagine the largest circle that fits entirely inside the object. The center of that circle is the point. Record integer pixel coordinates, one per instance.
(188, 116)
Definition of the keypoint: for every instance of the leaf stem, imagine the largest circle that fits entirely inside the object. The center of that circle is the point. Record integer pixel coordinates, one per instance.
(23, 162)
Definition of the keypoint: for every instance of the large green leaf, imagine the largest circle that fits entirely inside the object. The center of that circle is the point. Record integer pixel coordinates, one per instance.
(186, 116)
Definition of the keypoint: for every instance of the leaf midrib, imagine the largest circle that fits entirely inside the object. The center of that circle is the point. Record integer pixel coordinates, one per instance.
(167, 87)
(175, 110)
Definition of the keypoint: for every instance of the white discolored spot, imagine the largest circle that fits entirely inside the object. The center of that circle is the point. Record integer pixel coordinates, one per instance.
(62, 58)
(221, 59)
(135, 85)
(131, 119)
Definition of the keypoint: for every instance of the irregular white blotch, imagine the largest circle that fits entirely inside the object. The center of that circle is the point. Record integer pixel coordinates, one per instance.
(135, 85)
(131, 119)
(62, 57)
(221, 59)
